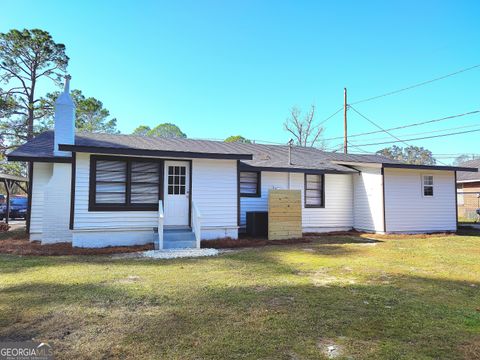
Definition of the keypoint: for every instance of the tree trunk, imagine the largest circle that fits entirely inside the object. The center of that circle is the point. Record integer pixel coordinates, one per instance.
(30, 121)
(31, 107)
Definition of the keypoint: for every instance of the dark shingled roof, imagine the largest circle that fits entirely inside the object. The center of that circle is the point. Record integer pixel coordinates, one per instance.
(251, 155)
(469, 176)
(39, 147)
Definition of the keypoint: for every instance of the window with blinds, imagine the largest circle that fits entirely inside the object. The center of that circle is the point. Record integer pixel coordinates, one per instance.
(124, 184)
(314, 190)
(249, 184)
(111, 182)
(144, 183)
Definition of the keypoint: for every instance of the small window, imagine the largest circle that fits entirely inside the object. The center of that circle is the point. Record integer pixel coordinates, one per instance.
(314, 191)
(250, 184)
(177, 180)
(427, 185)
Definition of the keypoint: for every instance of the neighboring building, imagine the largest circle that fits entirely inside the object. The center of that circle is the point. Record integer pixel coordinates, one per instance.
(99, 190)
(468, 191)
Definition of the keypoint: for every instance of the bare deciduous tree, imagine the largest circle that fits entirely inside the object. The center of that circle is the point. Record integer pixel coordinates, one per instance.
(303, 128)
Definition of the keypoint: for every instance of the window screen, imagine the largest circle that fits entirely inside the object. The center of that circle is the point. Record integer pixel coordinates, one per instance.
(428, 185)
(249, 183)
(314, 190)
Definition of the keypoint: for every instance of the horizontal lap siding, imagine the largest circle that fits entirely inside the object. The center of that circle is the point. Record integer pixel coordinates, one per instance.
(56, 205)
(338, 212)
(269, 180)
(214, 191)
(408, 210)
(42, 173)
(104, 219)
(368, 199)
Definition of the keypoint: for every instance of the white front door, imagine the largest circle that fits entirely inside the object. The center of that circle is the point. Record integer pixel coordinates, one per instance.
(176, 192)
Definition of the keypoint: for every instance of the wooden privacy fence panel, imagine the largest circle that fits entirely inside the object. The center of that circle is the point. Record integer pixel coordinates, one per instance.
(284, 214)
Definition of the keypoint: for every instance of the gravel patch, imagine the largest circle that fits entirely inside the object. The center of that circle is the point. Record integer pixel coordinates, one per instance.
(180, 253)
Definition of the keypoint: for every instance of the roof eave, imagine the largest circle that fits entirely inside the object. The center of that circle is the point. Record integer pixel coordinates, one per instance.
(468, 181)
(358, 163)
(154, 153)
(45, 159)
(246, 167)
(429, 167)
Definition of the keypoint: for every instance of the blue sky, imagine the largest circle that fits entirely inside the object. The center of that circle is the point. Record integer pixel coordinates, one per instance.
(218, 68)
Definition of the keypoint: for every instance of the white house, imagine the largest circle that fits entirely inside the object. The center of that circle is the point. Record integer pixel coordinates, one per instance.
(97, 190)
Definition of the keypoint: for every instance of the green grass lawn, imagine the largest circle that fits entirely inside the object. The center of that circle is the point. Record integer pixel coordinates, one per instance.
(401, 298)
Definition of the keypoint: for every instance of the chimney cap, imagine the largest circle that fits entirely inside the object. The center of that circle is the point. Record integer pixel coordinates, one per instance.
(64, 97)
(66, 88)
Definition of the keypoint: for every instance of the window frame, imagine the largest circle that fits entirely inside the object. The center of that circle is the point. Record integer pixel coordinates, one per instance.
(322, 192)
(432, 186)
(258, 192)
(127, 205)
(174, 185)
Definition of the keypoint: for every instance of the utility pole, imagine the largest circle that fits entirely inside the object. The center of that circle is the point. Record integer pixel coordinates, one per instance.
(345, 144)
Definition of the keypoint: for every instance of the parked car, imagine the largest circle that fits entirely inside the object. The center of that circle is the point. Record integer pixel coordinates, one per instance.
(18, 208)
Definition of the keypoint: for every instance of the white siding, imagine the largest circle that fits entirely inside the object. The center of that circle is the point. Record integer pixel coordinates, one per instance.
(269, 180)
(41, 175)
(85, 219)
(103, 238)
(56, 203)
(338, 211)
(214, 191)
(368, 199)
(407, 210)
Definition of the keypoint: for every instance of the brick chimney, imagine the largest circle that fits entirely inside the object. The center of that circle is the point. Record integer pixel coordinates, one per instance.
(64, 120)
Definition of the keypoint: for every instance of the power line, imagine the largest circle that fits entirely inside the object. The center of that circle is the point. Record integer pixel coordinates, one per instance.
(334, 148)
(395, 137)
(426, 132)
(320, 124)
(328, 118)
(279, 143)
(423, 138)
(359, 148)
(378, 126)
(409, 125)
(464, 153)
(416, 85)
